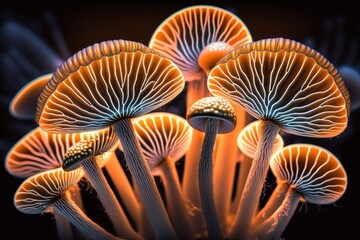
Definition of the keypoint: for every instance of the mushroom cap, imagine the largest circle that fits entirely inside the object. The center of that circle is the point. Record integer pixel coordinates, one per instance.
(314, 172)
(96, 144)
(162, 136)
(106, 82)
(212, 107)
(23, 105)
(37, 193)
(249, 136)
(183, 35)
(286, 82)
(39, 151)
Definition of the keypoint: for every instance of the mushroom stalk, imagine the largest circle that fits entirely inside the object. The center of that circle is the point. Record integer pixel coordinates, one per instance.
(108, 199)
(274, 226)
(177, 207)
(149, 194)
(205, 179)
(123, 187)
(63, 227)
(254, 183)
(66, 207)
(275, 200)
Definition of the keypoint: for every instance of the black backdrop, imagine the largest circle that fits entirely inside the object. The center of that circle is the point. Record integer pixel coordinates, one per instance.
(83, 24)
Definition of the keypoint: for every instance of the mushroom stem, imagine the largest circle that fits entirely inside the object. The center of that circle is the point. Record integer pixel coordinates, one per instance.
(176, 204)
(275, 200)
(123, 187)
(108, 199)
(254, 183)
(245, 165)
(140, 171)
(196, 90)
(63, 227)
(66, 207)
(225, 159)
(274, 226)
(205, 179)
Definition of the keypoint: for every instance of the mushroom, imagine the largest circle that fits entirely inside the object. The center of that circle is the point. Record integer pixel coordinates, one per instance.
(288, 86)
(107, 84)
(212, 115)
(195, 38)
(46, 192)
(312, 174)
(164, 138)
(247, 141)
(23, 105)
(87, 153)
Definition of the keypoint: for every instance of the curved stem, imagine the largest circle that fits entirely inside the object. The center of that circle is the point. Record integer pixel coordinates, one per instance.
(274, 226)
(205, 179)
(272, 204)
(66, 207)
(251, 194)
(175, 202)
(108, 199)
(123, 187)
(145, 182)
(225, 159)
(195, 90)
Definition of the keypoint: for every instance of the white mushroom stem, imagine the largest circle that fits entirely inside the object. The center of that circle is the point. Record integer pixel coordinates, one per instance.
(140, 171)
(274, 226)
(108, 199)
(177, 207)
(66, 207)
(275, 200)
(205, 179)
(251, 194)
(123, 187)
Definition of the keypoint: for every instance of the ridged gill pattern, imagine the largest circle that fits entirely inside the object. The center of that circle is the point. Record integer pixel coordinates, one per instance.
(37, 193)
(106, 82)
(161, 136)
(184, 34)
(286, 82)
(249, 136)
(314, 172)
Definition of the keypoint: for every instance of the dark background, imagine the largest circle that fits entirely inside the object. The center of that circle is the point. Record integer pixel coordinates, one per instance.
(83, 24)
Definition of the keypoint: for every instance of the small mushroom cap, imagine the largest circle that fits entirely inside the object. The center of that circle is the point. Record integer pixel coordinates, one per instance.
(97, 143)
(286, 82)
(37, 193)
(106, 82)
(249, 136)
(23, 105)
(212, 107)
(162, 136)
(314, 172)
(183, 35)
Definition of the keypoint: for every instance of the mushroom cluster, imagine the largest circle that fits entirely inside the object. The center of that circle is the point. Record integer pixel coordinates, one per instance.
(158, 175)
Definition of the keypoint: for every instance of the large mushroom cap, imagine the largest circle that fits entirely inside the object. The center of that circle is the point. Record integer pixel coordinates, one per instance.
(184, 34)
(104, 83)
(23, 105)
(312, 171)
(286, 82)
(37, 193)
(96, 144)
(161, 136)
(212, 107)
(249, 137)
